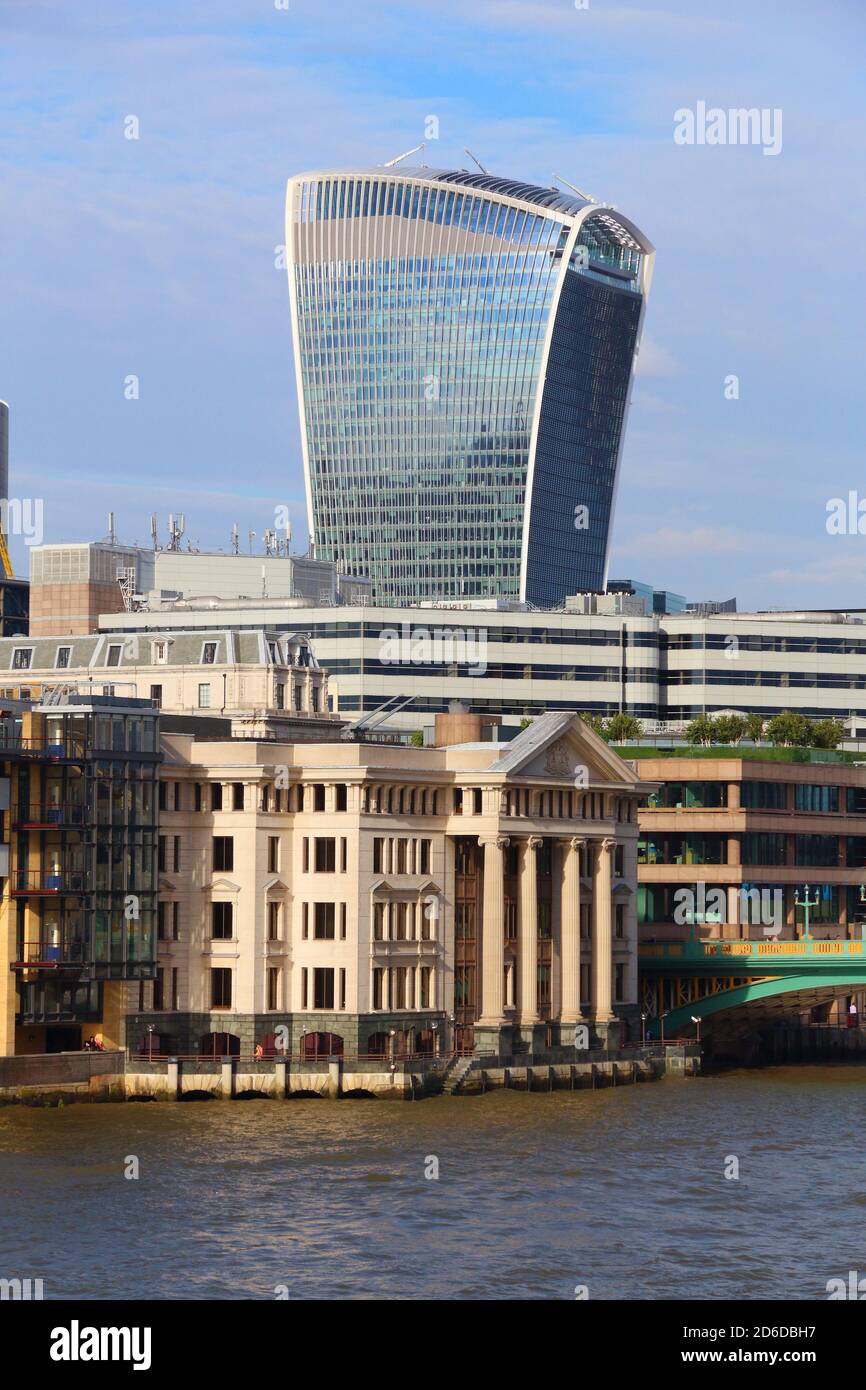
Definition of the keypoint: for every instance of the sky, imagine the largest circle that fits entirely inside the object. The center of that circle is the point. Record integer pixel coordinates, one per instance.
(155, 257)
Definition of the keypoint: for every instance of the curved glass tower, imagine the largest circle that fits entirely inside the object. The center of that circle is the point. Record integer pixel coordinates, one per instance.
(463, 348)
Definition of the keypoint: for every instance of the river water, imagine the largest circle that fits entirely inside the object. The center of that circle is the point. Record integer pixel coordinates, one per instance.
(622, 1191)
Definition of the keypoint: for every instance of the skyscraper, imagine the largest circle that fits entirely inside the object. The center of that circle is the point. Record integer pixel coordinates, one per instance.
(463, 350)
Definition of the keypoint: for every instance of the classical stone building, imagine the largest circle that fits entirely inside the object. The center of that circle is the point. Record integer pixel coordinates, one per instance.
(363, 897)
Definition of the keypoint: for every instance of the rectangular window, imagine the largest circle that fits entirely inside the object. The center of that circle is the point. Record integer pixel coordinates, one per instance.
(424, 857)
(273, 853)
(161, 914)
(273, 987)
(815, 797)
(21, 658)
(175, 859)
(159, 989)
(208, 654)
(156, 696)
(113, 658)
(175, 921)
(280, 695)
(342, 921)
(377, 989)
(220, 988)
(273, 921)
(619, 984)
(318, 796)
(160, 854)
(204, 697)
(323, 988)
(343, 854)
(237, 796)
(342, 796)
(175, 995)
(324, 859)
(342, 989)
(216, 796)
(304, 987)
(324, 915)
(377, 855)
(424, 1001)
(223, 853)
(196, 796)
(305, 921)
(62, 659)
(221, 921)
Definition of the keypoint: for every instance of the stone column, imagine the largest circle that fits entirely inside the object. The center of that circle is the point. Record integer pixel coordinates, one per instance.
(493, 932)
(527, 941)
(570, 929)
(602, 933)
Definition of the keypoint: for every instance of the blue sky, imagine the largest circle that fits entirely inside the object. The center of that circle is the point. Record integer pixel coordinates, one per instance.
(155, 257)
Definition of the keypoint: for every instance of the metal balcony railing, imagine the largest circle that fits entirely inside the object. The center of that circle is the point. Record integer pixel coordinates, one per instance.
(38, 816)
(59, 880)
(51, 952)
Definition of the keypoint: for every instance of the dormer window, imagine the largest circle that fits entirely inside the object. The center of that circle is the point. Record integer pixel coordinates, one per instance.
(208, 653)
(21, 658)
(62, 659)
(160, 653)
(113, 658)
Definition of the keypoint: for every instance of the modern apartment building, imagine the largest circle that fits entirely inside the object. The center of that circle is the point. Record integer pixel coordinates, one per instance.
(79, 797)
(752, 850)
(367, 898)
(463, 351)
(513, 662)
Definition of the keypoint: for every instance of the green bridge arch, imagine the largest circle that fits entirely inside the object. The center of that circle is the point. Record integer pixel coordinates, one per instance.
(813, 982)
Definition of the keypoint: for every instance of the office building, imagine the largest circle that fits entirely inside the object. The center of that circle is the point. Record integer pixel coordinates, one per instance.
(463, 352)
(509, 661)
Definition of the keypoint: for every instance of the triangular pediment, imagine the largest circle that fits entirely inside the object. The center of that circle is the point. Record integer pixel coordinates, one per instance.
(225, 885)
(275, 884)
(560, 746)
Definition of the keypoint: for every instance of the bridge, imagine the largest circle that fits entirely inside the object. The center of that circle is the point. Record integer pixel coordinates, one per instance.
(746, 985)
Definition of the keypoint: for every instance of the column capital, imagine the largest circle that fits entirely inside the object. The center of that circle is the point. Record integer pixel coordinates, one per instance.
(576, 842)
(607, 843)
(533, 841)
(500, 841)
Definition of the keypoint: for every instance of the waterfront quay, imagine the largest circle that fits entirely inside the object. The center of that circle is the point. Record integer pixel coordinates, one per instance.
(115, 1076)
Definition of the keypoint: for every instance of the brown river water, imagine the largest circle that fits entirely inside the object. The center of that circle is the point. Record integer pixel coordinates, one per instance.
(623, 1191)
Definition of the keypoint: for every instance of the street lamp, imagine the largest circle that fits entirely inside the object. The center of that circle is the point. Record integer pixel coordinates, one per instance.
(696, 1020)
(662, 1018)
(807, 904)
(643, 1018)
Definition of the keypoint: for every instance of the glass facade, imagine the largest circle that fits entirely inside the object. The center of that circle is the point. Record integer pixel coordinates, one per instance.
(464, 347)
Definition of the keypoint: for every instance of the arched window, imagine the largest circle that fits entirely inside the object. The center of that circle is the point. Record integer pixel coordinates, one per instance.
(378, 1044)
(321, 1045)
(219, 1045)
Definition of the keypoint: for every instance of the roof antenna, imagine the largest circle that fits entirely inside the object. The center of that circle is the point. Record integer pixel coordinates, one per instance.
(466, 150)
(587, 197)
(389, 163)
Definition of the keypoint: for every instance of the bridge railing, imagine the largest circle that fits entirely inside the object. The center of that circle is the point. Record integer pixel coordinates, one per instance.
(712, 950)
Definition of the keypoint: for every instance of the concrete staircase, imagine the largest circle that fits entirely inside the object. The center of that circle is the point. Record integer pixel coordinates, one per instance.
(456, 1073)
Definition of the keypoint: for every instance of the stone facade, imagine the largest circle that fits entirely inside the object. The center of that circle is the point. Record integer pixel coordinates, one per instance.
(373, 898)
